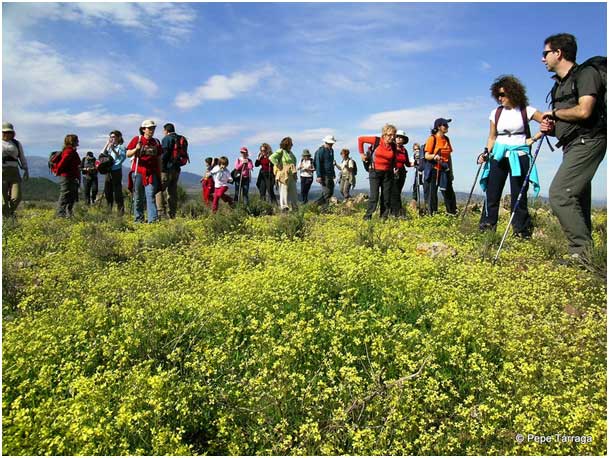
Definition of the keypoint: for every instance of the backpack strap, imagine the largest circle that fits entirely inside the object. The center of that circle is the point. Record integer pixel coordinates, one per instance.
(525, 122)
(497, 115)
(377, 141)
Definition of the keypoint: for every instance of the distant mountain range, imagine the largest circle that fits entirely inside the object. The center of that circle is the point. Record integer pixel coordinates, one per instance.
(190, 181)
(39, 168)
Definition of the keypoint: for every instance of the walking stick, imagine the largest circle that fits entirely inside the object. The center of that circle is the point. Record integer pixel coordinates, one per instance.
(240, 188)
(524, 185)
(471, 192)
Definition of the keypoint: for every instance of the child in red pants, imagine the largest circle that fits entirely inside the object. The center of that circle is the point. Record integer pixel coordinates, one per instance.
(221, 178)
(207, 182)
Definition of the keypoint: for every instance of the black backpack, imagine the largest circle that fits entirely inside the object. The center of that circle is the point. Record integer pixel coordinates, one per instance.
(104, 163)
(369, 162)
(600, 108)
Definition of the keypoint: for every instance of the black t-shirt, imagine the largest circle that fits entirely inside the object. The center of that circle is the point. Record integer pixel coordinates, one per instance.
(588, 82)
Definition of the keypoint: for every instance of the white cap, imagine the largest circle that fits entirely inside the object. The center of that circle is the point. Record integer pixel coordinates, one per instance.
(329, 139)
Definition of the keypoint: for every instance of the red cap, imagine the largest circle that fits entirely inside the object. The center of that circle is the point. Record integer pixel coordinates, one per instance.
(244, 150)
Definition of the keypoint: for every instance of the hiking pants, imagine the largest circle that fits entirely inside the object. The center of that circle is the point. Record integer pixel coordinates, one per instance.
(143, 193)
(221, 193)
(498, 174)
(381, 183)
(68, 193)
(396, 193)
(169, 195)
(305, 187)
(416, 185)
(345, 187)
(11, 190)
(242, 189)
(208, 191)
(265, 184)
(450, 198)
(90, 186)
(113, 190)
(327, 190)
(288, 195)
(571, 190)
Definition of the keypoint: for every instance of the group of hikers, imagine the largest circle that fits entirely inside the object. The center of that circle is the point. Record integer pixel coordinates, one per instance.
(577, 118)
(278, 170)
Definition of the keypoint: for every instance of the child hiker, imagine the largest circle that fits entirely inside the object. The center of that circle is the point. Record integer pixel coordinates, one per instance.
(221, 178)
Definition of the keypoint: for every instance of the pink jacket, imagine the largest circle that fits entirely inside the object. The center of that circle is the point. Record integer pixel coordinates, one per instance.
(247, 167)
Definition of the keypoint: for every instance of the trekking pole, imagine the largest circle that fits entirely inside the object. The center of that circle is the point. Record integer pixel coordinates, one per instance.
(524, 185)
(240, 187)
(471, 192)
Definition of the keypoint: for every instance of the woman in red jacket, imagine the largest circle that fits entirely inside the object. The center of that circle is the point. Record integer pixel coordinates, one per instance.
(146, 152)
(379, 163)
(68, 171)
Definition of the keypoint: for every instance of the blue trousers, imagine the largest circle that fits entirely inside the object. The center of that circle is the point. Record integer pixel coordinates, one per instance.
(146, 194)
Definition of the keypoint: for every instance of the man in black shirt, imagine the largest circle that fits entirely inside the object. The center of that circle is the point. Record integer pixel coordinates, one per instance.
(578, 120)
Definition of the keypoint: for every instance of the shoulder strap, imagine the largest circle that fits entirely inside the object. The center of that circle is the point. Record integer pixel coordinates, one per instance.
(525, 122)
(497, 115)
(377, 141)
(433, 145)
(448, 141)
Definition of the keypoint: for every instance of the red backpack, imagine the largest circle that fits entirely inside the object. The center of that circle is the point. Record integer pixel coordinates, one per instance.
(180, 151)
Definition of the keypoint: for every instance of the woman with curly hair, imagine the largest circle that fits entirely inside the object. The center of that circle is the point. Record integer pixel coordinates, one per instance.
(508, 151)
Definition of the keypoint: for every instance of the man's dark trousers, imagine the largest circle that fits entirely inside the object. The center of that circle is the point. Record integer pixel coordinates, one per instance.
(571, 190)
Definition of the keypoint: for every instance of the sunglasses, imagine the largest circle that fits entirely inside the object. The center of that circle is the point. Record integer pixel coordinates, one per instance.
(501, 94)
(545, 53)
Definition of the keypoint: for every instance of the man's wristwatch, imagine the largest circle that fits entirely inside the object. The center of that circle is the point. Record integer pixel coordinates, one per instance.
(554, 113)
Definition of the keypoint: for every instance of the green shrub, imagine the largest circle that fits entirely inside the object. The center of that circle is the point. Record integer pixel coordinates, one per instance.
(297, 334)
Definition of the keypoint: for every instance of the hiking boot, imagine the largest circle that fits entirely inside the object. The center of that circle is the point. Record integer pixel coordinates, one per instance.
(571, 260)
(524, 235)
(487, 227)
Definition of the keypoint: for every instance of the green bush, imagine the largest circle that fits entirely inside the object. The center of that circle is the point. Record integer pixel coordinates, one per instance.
(297, 334)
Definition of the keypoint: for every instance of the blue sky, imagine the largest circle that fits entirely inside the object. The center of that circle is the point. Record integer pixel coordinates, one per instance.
(234, 74)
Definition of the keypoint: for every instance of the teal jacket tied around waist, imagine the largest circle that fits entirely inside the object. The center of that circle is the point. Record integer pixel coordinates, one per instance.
(498, 153)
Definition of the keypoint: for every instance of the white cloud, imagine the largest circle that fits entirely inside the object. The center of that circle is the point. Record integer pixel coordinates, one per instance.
(343, 82)
(485, 66)
(415, 46)
(211, 135)
(142, 83)
(220, 87)
(419, 117)
(177, 19)
(304, 136)
(97, 117)
(38, 73)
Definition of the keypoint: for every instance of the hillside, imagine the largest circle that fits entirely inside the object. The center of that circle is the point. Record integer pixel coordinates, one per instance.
(299, 334)
(40, 189)
(39, 168)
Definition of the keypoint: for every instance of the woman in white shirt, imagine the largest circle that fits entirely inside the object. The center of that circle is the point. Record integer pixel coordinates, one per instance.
(306, 169)
(509, 143)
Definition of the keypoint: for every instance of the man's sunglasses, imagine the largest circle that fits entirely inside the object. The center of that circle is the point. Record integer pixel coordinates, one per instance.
(545, 53)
